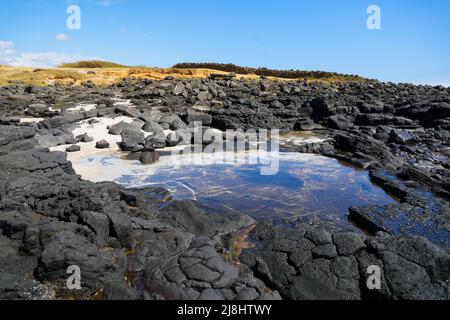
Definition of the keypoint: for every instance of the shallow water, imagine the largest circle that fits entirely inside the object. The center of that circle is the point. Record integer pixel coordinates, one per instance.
(310, 188)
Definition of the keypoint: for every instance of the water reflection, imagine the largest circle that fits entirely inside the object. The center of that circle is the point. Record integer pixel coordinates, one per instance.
(307, 187)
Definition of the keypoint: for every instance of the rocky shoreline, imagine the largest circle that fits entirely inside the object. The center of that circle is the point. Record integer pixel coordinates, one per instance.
(140, 244)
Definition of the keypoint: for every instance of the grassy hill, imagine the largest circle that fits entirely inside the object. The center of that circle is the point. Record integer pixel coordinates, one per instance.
(92, 64)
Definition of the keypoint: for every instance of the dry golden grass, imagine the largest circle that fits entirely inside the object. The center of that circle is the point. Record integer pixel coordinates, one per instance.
(100, 76)
(106, 76)
(40, 76)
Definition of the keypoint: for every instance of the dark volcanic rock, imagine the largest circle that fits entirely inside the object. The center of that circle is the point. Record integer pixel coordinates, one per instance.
(322, 107)
(431, 220)
(15, 138)
(196, 116)
(380, 119)
(37, 160)
(306, 125)
(173, 139)
(149, 157)
(102, 144)
(83, 138)
(151, 116)
(199, 273)
(73, 148)
(132, 140)
(119, 127)
(186, 216)
(67, 249)
(155, 141)
(51, 219)
(400, 136)
(13, 287)
(10, 134)
(152, 126)
(366, 148)
(287, 260)
(340, 122)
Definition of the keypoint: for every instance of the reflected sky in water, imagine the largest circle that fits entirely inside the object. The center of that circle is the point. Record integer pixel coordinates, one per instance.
(307, 187)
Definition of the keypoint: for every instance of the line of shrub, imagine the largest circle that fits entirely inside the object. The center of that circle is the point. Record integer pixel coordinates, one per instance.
(287, 74)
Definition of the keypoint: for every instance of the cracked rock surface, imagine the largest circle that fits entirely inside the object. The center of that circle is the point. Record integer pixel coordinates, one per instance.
(309, 263)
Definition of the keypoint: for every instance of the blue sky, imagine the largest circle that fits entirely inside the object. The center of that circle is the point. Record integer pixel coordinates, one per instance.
(413, 44)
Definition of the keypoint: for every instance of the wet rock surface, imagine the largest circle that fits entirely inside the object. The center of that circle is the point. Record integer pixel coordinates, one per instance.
(139, 244)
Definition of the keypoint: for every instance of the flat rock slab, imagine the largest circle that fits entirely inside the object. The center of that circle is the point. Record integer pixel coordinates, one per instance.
(306, 263)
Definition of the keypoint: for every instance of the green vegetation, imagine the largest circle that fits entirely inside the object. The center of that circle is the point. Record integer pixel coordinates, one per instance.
(286, 74)
(92, 64)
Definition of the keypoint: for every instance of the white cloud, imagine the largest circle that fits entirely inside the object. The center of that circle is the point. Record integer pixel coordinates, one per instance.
(6, 51)
(107, 3)
(62, 37)
(10, 57)
(6, 45)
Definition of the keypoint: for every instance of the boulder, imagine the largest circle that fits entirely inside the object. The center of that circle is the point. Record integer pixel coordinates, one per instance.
(83, 138)
(131, 112)
(169, 118)
(173, 139)
(400, 136)
(149, 157)
(152, 126)
(178, 124)
(179, 89)
(73, 148)
(155, 141)
(119, 127)
(151, 116)
(185, 137)
(102, 144)
(131, 139)
(38, 110)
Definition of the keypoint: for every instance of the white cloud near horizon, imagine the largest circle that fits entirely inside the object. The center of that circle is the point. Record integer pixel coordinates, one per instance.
(8, 56)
